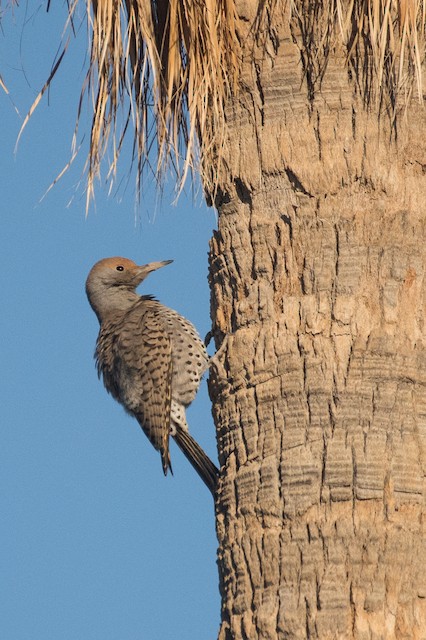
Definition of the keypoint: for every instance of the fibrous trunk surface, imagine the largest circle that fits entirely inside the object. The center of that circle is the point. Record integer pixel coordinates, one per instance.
(318, 274)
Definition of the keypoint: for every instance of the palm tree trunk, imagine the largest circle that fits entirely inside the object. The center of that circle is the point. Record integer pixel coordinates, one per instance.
(318, 273)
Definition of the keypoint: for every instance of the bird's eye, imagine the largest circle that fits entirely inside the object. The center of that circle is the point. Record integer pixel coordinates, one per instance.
(120, 268)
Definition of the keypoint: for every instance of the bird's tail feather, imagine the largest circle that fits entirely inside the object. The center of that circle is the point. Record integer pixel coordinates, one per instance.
(202, 464)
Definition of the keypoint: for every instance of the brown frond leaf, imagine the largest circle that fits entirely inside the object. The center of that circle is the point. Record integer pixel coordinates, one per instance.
(40, 94)
(384, 42)
(174, 62)
(162, 71)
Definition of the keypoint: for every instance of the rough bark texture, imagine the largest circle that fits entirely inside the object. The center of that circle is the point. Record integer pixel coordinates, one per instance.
(318, 272)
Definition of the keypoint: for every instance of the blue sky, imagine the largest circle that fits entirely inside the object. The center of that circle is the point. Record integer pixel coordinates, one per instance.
(95, 542)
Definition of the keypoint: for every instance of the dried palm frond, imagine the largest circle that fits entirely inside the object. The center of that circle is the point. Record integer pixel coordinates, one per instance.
(163, 70)
(3, 86)
(384, 42)
(171, 63)
(395, 46)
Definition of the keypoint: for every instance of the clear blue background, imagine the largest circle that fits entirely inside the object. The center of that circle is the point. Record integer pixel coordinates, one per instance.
(95, 542)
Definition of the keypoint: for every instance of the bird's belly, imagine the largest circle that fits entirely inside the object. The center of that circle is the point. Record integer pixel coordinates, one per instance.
(189, 357)
(187, 372)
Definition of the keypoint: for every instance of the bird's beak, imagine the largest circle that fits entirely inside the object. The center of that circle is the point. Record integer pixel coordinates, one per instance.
(153, 266)
(143, 270)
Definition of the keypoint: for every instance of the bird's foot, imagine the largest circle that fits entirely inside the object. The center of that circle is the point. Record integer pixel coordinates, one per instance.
(215, 359)
(208, 338)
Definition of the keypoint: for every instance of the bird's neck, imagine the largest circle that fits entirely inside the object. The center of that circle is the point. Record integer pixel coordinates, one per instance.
(110, 302)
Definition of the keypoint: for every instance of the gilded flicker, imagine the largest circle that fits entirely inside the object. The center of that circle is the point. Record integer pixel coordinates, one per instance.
(151, 358)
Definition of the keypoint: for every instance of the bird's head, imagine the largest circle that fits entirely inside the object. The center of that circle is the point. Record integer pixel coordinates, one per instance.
(111, 283)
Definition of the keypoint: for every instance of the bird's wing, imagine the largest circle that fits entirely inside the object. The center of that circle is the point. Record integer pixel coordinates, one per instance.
(143, 363)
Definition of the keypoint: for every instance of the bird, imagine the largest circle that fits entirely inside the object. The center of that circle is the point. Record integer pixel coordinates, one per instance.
(150, 358)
